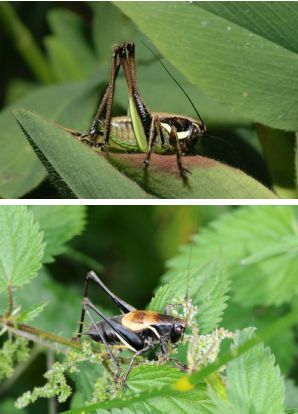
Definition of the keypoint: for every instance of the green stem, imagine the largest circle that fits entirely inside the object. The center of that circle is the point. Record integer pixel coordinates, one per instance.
(25, 43)
(44, 335)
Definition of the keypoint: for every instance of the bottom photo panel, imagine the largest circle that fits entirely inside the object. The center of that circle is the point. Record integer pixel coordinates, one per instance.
(148, 309)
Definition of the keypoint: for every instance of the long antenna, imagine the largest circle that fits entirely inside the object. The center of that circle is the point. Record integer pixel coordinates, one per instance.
(189, 262)
(175, 80)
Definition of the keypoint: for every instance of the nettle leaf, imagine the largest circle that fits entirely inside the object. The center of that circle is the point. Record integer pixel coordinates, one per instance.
(75, 169)
(208, 289)
(262, 255)
(21, 246)
(228, 59)
(254, 382)
(146, 377)
(59, 224)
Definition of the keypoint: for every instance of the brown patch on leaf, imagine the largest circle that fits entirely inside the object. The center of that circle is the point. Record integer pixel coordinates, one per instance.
(167, 163)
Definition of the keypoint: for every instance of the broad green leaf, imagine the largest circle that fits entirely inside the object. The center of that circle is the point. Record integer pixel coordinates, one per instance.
(279, 153)
(254, 382)
(282, 346)
(59, 224)
(260, 233)
(147, 377)
(21, 246)
(208, 287)
(274, 21)
(20, 169)
(208, 179)
(228, 61)
(74, 167)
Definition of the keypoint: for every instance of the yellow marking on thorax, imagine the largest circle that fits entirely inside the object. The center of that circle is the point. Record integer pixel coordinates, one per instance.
(140, 320)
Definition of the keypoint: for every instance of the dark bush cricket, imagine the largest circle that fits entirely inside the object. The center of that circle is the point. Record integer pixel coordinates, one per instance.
(137, 330)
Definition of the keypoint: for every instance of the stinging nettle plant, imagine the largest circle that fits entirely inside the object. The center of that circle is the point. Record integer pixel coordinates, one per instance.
(230, 370)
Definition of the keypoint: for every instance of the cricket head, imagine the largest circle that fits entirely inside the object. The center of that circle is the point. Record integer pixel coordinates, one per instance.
(178, 329)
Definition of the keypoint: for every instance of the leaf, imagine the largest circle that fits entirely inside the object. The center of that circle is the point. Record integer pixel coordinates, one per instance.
(81, 171)
(208, 178)
(68, 46)
(282, 346)
(21, 247)
(208, 287)
(254, 383)
(279, 152)
(59, 225)
(146, 377)
(63, 304)
(263, 231)
(20, 169)
(29, 314)
(229, 61)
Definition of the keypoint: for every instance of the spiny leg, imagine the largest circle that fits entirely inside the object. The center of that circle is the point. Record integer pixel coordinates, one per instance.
(86, 305)
(107, 102)
(138, 353)
(173, 135)
(155, 131)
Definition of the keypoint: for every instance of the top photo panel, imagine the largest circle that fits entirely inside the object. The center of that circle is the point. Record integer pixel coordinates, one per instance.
(133, 100)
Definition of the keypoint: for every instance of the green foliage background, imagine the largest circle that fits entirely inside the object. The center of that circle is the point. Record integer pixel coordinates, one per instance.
(235, 60)
(243, 272)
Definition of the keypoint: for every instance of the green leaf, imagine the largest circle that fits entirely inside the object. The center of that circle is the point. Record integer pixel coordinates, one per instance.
(279, 152)
(229, 61)
(149, 377)
(59, 225)
(20, 169)
(29, 314)
(75, 168)
(208, 178)
(70, 53)
(251, 241)
(208, 287)
(63, 304)
(21, 246)
(254, 382)
(282, 346)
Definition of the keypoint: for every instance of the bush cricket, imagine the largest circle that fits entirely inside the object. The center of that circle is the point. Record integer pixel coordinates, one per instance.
(144, 131)
(138, 330)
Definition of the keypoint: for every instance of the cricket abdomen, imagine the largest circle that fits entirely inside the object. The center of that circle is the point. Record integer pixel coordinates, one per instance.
(122, 134)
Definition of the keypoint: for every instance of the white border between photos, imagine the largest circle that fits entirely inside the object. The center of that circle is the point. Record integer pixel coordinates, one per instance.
(151, 202)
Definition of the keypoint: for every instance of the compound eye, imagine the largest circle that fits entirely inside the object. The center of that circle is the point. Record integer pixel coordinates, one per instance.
(179, 328)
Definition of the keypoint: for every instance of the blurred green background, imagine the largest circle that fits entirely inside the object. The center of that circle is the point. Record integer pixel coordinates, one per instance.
(57, 62)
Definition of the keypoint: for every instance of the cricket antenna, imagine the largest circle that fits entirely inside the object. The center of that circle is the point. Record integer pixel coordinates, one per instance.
(188, 271)
(175, 80)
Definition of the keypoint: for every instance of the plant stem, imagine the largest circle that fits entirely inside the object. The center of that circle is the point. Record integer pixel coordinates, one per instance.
(10, 300)
(39, 334)
(25, 43)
